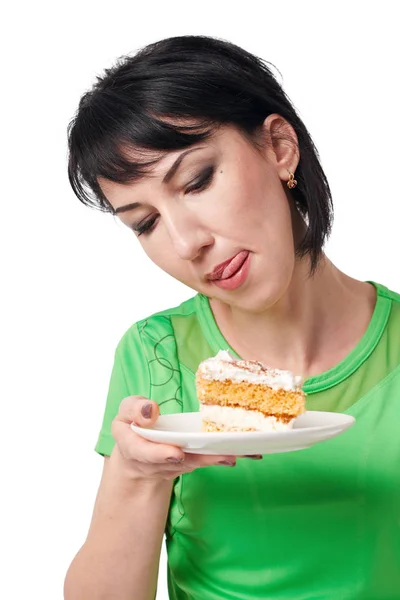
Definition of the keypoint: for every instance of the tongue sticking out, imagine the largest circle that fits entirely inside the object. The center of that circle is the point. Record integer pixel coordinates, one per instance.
(234, 265)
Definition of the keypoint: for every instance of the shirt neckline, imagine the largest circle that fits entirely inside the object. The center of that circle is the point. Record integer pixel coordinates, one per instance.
(331, 377)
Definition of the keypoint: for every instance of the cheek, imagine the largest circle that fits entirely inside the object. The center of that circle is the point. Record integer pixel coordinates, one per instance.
(157, 251)
(255, 209)
(161, 252)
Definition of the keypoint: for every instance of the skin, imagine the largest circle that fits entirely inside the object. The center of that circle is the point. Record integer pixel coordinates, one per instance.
(280, 315)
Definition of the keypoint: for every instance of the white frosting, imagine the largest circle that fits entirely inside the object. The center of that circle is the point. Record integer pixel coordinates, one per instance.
(241, 418)
(224, 367)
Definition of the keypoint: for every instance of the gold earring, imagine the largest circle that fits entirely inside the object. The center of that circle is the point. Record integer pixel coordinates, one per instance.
(292, 182)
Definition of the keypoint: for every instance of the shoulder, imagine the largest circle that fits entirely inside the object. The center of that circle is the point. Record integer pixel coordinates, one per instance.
(175, 339)
(146, 358)
(393, 300)
(390, 294)
(394, 320)
(153, 337)
(154, 329)
(392, 327)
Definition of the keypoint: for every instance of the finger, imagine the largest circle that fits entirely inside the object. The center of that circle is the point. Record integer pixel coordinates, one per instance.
(187, 466)
(138, 410)
(252, 456)
(202, 460)
(134, 447)
(196, 461)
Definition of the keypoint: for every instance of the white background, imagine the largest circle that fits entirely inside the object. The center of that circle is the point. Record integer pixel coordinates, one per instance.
(74, 280)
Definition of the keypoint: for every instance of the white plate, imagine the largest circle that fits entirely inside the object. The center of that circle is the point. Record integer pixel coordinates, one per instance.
(184, 430)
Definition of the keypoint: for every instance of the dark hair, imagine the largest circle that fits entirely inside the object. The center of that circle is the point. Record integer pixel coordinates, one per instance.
(141, 103)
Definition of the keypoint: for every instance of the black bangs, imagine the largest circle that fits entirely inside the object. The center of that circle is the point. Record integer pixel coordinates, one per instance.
(121, 146)
(176, 93)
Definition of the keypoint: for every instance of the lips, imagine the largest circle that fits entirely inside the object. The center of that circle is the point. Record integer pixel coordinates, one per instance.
(229, 267)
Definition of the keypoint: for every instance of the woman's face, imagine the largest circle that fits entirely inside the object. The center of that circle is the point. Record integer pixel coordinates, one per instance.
(226, 201)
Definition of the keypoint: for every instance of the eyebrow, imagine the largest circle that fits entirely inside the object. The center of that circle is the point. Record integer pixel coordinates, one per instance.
(169, 175)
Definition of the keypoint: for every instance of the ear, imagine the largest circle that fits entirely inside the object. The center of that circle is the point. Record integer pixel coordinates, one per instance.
(283, 146)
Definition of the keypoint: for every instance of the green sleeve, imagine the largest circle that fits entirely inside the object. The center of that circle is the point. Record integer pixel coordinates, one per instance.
(146, 364)
(129, 377)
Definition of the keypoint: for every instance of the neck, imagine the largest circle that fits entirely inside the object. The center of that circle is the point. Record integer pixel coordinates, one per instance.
(313, 326)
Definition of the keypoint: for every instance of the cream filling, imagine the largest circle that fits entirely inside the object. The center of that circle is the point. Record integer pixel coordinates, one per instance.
(240, 418)
(224, 367)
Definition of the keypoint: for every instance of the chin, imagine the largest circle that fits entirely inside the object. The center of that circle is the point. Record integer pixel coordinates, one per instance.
(255, 299)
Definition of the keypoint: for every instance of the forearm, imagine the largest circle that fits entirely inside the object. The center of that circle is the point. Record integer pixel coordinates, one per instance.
(120, 557)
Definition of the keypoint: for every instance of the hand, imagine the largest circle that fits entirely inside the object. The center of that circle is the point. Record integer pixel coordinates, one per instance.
(151, 460)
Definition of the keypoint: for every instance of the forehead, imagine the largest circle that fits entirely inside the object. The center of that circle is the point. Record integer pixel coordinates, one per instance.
(219, 136)
(154, 164)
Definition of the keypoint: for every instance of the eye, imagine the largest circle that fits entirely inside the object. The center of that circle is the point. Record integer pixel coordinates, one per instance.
(145, 226)
(199, 184)
(202, 182)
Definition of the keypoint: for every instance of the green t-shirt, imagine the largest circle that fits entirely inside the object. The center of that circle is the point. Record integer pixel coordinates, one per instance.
(321, 523)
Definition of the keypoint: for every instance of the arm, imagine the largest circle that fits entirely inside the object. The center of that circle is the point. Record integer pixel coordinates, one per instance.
(120, 557)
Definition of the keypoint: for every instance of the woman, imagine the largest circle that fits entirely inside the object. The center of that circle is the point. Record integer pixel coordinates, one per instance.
(196, 148)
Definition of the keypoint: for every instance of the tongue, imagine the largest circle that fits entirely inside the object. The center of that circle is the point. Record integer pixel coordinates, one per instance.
(234, 265)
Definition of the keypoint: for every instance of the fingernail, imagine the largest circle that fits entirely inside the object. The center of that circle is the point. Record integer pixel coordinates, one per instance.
(146, 411)
(253, 456)
(175, 459)
(228, 463)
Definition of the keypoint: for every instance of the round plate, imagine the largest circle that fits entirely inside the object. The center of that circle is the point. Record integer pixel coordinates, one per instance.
(184, 430)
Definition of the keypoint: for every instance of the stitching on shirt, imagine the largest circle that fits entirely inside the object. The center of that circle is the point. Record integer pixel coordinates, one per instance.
(167, 367)
(139, 330)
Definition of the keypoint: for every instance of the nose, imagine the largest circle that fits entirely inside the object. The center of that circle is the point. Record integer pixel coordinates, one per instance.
(188, 235)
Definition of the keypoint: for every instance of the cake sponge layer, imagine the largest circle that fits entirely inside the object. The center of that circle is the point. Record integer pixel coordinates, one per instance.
(280, 403)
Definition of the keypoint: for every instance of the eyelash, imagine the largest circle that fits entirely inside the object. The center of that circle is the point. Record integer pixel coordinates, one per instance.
(201, 184)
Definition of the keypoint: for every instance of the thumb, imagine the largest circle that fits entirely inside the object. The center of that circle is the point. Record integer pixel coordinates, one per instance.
(138, 410)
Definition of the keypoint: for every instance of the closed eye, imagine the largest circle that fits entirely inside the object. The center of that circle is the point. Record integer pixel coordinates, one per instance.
(146, 226)
(203, 181)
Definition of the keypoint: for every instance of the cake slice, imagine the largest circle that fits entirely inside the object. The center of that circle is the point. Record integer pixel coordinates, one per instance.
(246, 395)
